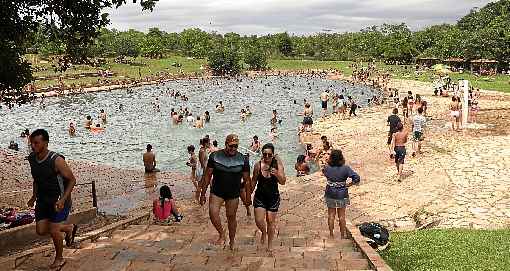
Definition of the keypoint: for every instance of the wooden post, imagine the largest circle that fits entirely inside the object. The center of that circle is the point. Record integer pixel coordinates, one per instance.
(94, 195)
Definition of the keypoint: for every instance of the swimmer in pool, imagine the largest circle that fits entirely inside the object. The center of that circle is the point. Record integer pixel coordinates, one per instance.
(207, 117)
(88, 122)
(220, 107)
(243, 115)
(102, 116)
(255, 144)
(72, 129)
(199, 123)
(248, 111)
(273, 134)
(274, 118)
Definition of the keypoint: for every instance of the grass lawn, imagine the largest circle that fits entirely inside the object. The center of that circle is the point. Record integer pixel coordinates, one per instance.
(152, 66)
(452, 249)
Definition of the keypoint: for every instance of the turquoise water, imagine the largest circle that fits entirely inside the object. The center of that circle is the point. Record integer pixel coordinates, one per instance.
(134, 120)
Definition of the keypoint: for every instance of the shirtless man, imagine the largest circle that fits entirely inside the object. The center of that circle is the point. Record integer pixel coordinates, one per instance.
(324, 102)
(88, 122)
(228, 166)
(399, 140)
(149, 160)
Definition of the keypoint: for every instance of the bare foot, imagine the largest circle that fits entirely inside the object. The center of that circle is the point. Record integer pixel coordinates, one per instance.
(221, 240)
(57, 264)
(232, 246)
(263, 238)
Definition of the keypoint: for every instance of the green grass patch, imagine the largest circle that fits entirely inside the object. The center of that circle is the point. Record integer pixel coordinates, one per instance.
(153, 66)
(452, 249)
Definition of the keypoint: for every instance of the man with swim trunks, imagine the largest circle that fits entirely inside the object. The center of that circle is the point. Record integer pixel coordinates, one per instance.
(149, 160)
(324, 102)
(419, 122)
(228, 166)
(53, 184)
(393, 121)
(399, 140)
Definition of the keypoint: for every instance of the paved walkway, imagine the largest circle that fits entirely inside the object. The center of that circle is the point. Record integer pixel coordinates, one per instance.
(302, 243)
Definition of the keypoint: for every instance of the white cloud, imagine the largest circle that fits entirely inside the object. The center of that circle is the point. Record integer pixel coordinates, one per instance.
(298, 17)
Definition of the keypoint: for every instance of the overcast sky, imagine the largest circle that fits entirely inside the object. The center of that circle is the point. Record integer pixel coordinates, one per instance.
(294, 16)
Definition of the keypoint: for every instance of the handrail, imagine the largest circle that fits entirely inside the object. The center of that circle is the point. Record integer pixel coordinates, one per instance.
(93, 184)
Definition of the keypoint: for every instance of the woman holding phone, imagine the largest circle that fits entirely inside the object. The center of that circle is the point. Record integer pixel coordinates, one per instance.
(268, 173)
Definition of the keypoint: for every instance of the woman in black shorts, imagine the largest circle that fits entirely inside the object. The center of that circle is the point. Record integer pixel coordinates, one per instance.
(267, 174)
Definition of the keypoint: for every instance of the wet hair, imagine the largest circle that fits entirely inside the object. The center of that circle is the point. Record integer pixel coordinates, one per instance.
(268, 146)
(149, 147)
(198, 117)
(273, 129)
(395, 111)
(255, 138)
(301, 158)
(191, 148)
(454, 99)
(324, 137)
(40, 132)
(207, 112)
(336, 158)
(89, 117)
(341, 96)
(309, 147)
(102, 110)
(420, 110)
(165, 193)
(205, 140)
(215, 143)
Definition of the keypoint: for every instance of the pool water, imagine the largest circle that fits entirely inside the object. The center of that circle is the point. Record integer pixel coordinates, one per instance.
(134, 120)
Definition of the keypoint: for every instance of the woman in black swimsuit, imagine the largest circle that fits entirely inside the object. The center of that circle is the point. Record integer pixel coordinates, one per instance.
(267, 174)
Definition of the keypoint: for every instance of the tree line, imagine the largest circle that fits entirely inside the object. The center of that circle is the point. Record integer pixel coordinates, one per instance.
(76, 31)
(483, 33)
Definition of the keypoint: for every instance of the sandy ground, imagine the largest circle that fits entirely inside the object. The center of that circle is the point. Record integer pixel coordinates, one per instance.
(461, 180)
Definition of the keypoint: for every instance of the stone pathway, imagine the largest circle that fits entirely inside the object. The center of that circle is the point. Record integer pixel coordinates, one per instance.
(302, 243)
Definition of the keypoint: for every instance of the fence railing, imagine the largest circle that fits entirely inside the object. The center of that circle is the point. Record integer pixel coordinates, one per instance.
(80, 195)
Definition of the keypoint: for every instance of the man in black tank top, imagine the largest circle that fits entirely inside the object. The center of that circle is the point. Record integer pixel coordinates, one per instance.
(53, 184)
(228, 167)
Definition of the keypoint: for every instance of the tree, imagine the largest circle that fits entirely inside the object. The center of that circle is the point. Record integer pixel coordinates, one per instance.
(75, 23)
(224, 59)
(255, 56)
(194, 42)
(284, 44)
(154, 43)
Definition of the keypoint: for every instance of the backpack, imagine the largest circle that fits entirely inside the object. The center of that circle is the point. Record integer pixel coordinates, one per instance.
(377, 234)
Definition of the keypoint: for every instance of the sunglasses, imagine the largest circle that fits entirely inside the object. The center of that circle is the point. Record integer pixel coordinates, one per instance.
(267, 154)
(233, 146)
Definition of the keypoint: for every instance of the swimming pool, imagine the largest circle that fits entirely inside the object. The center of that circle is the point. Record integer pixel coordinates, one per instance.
(134, 120)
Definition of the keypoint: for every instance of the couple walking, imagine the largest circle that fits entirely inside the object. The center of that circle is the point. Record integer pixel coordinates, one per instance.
(231, 172)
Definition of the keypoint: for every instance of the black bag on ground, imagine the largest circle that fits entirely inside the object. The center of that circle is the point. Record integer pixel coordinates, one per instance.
(376, 232)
